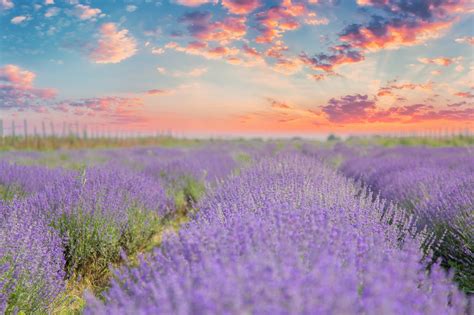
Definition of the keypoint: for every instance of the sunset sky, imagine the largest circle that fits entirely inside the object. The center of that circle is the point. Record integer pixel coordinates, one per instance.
(239, 66)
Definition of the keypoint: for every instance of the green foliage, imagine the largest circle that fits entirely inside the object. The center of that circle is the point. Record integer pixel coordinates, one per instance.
(9, 192)
(93, 241)
(453, 141)
(73, 142)
(24, 295)
(186, 192)
(333, 138)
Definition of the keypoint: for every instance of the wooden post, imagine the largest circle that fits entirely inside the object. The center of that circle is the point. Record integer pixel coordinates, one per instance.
(43, 129)
(1, 130)
(25, 129)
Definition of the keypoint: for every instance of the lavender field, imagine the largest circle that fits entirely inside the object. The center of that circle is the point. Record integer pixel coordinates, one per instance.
(238, 227)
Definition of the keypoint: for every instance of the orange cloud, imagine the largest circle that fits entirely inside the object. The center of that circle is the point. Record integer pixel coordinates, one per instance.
(388, 90)
(85, 12)
(465, 94)
(440, 61)
(279, 19)
(201, 27)
(393, 34)
(114, 45)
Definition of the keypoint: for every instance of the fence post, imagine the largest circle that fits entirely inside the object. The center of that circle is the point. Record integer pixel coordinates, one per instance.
(25, 129)
(43, 127)
(1, 130)
(13, 132)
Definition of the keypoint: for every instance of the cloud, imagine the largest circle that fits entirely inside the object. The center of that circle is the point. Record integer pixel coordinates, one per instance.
(202, 49)
(161, 70)
(158, 92)
(114, 109)
(113, 45)
(241, 6)
(53, 11)
(465, 94)
(131, 8)
(19, 19)
(322, 76)
(458, 104)
(456, 115)
(6, 5)
(195, 72)
(48, 2)
(275, 104)
(272, 23)
(312, 19)
(85, 12)
(157, 51)
(340, 55)
(404, 23)
(194, 3)
(392, 34)
(422, 9)
(349, 108)
(356, 109)
(440, 61)
(16, 76)
(17, 90)
(201, 27)
(287, 66)
(388, 90)
(106, 104)
(465, 40)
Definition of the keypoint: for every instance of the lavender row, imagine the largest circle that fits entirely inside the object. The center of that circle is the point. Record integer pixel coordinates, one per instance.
(437, 185)
(286, 236)
(59, 225)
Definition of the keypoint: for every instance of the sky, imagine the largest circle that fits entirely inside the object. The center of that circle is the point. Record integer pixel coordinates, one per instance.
(238, 66)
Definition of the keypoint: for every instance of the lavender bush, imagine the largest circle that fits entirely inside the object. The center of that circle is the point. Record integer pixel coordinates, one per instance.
(287, 236)
(31, 260)
(100, 212)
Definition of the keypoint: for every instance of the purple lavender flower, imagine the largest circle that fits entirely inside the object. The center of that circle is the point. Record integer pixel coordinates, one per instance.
(286, 236)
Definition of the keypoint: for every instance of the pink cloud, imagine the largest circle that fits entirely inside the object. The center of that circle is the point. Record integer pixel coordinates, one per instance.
(279, 19)
(388, 90)
(158, 92)
(201, 27)
(114, 45)
(465, 94)
(440, 61)
(17, 90)
(241, 6)
(17, 76)
(6, 5)
(85, 12)
(195, 3)
(393, 34)
(19, 19)
(349, 108)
